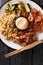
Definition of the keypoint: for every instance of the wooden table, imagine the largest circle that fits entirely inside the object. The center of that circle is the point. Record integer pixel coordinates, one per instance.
(30, 57)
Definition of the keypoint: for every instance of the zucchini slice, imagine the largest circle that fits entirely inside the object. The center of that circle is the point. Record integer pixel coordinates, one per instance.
(15, 3)
(27, 8)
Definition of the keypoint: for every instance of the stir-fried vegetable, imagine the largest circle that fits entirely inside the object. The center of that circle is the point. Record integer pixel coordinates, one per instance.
(27, 7)
(18, 6)
(8, 9)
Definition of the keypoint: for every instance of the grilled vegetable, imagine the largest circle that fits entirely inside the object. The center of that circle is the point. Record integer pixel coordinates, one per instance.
(27, 7)
(24, 7)
(21, 6)
(8, 9)
(14, 3)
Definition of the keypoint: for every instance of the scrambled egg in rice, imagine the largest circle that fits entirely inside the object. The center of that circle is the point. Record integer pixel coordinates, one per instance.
(7, 24)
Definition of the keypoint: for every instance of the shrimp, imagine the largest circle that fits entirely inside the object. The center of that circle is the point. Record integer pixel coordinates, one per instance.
(30, 17)
(38, 19)
(34, 10)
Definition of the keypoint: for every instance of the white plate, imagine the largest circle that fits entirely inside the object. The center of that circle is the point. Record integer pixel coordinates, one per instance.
(10, 43)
